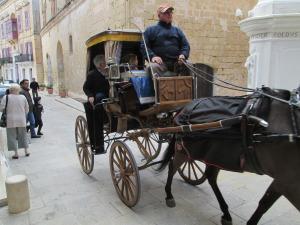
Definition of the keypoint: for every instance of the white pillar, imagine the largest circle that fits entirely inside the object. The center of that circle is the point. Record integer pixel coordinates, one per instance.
(274, 30)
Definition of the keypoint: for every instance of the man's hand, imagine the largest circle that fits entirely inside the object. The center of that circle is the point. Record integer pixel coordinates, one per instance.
(91, 100)
(181, 58)
(157, 59)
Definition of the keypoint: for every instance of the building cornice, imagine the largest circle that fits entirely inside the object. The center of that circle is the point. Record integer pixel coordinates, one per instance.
(260, 24)
(68, 8)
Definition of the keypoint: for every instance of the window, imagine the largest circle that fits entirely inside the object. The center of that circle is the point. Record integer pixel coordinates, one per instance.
(19, 23)
(71, 44)
(9, 52)
(30, 73)
(24, 74)
(21, 49)
(27, 20)
(53, 8)
(28, 48)
(1, 32)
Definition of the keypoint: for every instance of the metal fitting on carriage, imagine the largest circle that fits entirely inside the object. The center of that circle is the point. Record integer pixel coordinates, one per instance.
(162, 116)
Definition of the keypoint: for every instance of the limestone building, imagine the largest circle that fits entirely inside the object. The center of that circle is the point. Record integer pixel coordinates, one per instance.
(20, 43)
(210, 26)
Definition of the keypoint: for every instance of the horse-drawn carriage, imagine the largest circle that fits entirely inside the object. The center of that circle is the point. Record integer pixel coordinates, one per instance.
(137, 104)
(147, 119)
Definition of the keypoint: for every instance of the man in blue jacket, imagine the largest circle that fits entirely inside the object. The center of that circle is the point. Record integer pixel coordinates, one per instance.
(166, 44)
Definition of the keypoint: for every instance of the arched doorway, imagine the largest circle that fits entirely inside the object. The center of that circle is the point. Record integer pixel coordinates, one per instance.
(49, 70)
(60, 67)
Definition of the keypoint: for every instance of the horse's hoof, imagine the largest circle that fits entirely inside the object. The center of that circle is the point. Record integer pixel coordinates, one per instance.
(226, 222)
(171, 203)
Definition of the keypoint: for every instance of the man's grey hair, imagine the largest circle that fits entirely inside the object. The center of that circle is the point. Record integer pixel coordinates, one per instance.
(98, 59)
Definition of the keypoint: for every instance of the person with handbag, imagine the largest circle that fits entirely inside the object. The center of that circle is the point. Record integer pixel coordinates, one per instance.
(15, 108)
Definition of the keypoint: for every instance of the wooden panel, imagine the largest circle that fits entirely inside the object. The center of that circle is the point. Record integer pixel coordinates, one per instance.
(174, 88)
(166, 90)
(184, 89)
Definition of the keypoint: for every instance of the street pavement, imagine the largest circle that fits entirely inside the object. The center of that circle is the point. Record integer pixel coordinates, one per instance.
(61, 194)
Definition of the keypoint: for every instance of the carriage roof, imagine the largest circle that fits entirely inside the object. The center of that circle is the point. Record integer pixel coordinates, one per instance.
(130, 35)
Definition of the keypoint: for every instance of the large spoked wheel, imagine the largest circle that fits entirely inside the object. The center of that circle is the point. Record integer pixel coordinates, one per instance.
(192, 171)
(84, 150)
(124, 173)
(148, 143)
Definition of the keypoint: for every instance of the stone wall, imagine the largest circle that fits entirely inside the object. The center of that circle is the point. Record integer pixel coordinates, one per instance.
(210, 26)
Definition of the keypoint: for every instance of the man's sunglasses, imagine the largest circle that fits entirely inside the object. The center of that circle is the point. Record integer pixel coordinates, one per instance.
(168, 12)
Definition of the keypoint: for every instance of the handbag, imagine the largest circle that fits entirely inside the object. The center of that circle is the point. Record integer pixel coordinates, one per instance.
(4, 116)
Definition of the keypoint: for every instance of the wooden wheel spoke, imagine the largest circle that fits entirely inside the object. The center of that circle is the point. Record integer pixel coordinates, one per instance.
(184, 165)
(130, 181)
(118, 180)
(118, 157)
(122, 187)
(116, 163)
(189, 170)
(198, 167)
(130, 189)
(195, 174)
(126, 159)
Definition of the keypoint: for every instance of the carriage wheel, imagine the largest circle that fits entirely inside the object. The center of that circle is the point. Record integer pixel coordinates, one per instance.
(149, 144)
(84, 150)
(192, 171)
(124, 173)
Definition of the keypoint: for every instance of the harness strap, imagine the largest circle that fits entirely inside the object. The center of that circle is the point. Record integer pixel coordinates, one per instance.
(294, 123)
(249, 150)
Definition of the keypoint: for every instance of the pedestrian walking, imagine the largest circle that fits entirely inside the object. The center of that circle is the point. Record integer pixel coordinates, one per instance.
(30, 116)
(16, 110)
(34, 85)
(37, 111)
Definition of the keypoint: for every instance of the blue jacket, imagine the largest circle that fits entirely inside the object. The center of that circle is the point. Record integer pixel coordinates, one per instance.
(165, 41)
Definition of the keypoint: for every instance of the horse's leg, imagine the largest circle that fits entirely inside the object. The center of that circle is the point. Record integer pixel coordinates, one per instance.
(174, 164)
(265, 203)
(212, 175)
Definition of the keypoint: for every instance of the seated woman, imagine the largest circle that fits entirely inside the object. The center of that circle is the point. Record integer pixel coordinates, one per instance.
(131, 60)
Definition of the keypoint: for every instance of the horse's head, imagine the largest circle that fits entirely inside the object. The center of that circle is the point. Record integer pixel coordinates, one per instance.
(280, 114)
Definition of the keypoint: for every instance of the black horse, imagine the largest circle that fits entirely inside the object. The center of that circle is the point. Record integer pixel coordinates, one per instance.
(277, 152)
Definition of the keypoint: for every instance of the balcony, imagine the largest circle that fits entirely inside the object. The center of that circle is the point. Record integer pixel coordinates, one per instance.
(24, 58)
(5, 60)
(12, 30)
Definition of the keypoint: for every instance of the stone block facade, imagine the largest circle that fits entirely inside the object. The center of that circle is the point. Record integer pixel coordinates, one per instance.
(210, 26)
(20, 44)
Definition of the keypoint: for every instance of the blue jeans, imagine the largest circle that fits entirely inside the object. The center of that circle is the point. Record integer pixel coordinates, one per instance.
(30, 118)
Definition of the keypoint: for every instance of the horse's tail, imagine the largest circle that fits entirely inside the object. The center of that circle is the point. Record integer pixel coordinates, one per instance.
(170, 151)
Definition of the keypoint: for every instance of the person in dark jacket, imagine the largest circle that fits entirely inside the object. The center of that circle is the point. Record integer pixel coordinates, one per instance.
(96, 87)
(37, 111)
(166, 44)
(30, 117)
(34, 87)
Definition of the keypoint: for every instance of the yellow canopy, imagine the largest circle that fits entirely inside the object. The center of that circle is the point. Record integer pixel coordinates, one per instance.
(114, 35)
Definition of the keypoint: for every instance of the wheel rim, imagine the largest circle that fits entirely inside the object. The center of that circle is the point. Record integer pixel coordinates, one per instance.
(125, 174)
(192, 171)
(84, 150)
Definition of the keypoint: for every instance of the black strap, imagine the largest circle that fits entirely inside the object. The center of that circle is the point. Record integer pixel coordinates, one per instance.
(4, 110)
(294, 123)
